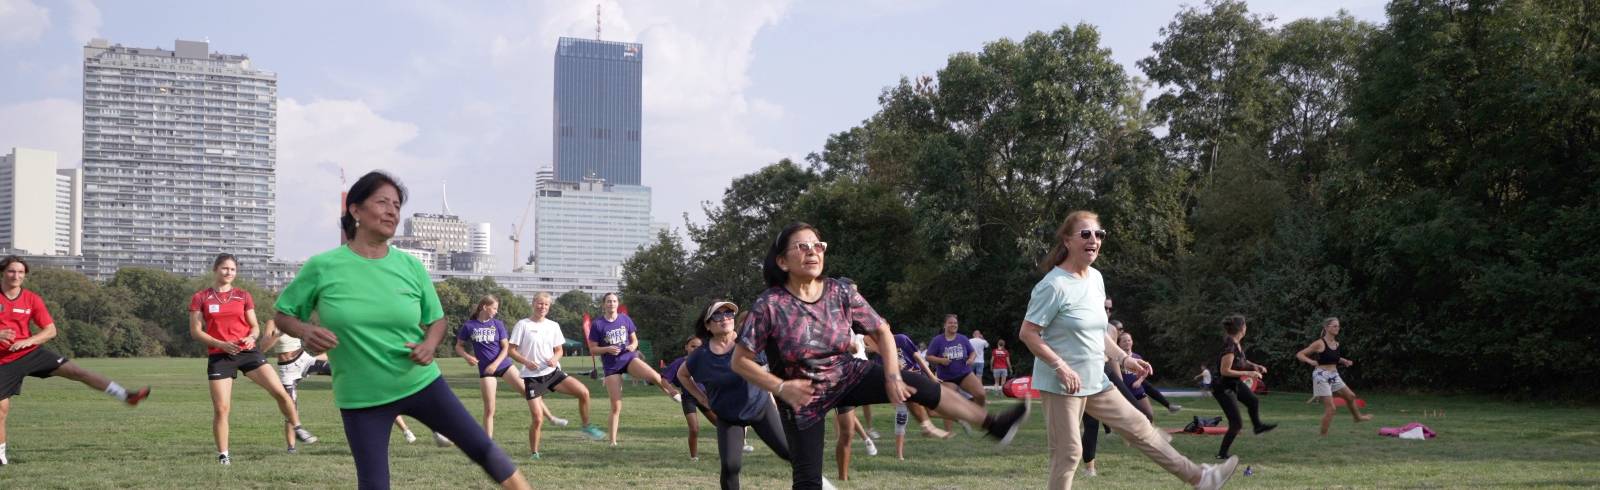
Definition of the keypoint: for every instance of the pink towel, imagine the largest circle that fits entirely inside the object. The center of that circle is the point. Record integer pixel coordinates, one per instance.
(1396, 431)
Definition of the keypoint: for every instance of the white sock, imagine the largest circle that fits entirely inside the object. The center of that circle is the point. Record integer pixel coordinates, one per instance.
(224, 453)
(116, 391)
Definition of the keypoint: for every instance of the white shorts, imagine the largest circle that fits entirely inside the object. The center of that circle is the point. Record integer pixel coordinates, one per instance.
(1325, 383)
(289, 374)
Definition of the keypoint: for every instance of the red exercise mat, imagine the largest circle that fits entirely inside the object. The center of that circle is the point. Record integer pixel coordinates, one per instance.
(1020, 388)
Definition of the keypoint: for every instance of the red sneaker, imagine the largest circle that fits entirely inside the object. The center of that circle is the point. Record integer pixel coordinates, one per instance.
(138, 396)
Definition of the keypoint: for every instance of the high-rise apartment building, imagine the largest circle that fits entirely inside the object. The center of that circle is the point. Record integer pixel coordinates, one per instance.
(589, 228)
(598, 110)
(179, 152)
(37, 204)
(447, 231)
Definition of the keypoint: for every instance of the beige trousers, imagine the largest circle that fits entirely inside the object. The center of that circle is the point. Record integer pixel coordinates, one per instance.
(1064, 421)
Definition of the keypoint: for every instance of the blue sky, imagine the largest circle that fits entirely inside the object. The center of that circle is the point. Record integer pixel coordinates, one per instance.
(461, 91)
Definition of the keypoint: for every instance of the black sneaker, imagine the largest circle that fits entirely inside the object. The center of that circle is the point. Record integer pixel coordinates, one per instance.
(1265, 428)
(1004, 426)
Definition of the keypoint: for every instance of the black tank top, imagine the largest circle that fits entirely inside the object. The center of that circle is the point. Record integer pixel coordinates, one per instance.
(1329, 355)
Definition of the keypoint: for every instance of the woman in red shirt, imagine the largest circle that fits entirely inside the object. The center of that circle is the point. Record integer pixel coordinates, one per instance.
(1001, 365)
(20, 351)
(224, 319)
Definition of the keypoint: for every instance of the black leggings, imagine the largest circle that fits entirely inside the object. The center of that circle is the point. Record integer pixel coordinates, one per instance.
(730, 442)
(1090, 439)
(806, 445)
(436, 407)
(1155, 394)
(1231, 410)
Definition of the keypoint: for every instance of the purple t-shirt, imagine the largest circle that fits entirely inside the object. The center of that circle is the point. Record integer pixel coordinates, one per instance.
(956, 350)
(812, 341)
(1129, 378)
(485, 338)
(671, 373)
(908, 353)
(619, 332)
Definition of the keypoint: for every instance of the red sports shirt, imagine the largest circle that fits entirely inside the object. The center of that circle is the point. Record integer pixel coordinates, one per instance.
(1002, 359)
(224, 314)
(28, 307)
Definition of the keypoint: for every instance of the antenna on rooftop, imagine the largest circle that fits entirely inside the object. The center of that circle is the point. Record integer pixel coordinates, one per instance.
(597, 22)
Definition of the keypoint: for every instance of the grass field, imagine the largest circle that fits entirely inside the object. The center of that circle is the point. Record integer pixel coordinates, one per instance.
(63, 435)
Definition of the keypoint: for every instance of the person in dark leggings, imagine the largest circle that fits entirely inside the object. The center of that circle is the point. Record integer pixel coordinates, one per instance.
(380, 321)
(1091, 427)
(803, 323)
(707, 377)
(1232, 366)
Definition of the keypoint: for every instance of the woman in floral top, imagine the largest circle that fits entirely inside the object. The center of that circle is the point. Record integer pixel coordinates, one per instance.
(803, 322)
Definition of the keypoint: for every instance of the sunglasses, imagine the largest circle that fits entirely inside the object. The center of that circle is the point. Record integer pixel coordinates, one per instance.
(720, 316)
(1085, 234)
(809, 247)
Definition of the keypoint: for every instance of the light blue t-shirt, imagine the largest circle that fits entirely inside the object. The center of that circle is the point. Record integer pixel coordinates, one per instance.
(1073, 313)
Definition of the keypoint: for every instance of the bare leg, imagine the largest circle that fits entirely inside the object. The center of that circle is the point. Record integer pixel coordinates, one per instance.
(221, 404)
(5, 411)
(694, 434)
(73, 371)
(841, 449)
(486, 388)
(536, 431)
(575, 388)
(614, 390)
(972, 385)
(1328, 409)
(642, 371)
(267, 378)
(516, 482)
(1350, 403)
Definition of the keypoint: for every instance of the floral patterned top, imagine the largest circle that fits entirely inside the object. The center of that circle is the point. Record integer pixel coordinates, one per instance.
(812, 340)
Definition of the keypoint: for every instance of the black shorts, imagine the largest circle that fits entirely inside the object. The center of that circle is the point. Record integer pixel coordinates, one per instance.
(537, 386)
(226, 366)
(497, 373)
(690, 405)
(39, 364)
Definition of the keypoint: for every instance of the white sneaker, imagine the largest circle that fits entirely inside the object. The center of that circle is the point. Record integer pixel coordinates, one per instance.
(828, 485)
(1175, 408)
(1214, 476)
(677, 397)
(441, 440)
(558, 421)
(410, 437)
(3, 460)
(872, 449)
(873, 433)
(749, 449)
(1088, 472)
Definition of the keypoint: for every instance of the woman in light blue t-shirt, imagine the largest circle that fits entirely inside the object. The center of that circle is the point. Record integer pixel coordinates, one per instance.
(1065, 327)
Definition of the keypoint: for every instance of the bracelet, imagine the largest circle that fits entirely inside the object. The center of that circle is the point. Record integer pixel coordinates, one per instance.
(779, 391)
(1060, 364)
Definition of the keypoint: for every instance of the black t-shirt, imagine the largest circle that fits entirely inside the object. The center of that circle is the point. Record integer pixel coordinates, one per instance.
(1229, 346)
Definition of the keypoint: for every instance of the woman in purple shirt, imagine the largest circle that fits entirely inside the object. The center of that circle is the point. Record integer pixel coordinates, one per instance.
(614, 336)
(803, 323)
(488, 337)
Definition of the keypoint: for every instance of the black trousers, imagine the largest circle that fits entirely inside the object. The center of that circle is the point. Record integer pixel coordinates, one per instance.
(806, 445)
(1225, 391)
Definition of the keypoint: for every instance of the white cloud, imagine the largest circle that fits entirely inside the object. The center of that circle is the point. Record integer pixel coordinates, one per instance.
(48, 124)
(316, 140)
(22, 21)
(85, 23)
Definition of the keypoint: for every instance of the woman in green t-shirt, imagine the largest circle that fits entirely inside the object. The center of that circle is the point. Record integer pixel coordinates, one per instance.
(380, 321)
(1065, 327)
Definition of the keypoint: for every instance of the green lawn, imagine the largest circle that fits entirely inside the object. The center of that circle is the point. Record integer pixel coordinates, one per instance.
(63, 435)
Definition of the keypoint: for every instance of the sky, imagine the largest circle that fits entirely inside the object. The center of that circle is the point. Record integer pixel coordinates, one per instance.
(459, 94)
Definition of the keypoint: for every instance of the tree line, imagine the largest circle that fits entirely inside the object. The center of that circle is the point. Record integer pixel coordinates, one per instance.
(1432, 181)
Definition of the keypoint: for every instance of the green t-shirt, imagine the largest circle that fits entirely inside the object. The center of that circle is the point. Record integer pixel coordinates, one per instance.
(375, 306)
(1073, 313)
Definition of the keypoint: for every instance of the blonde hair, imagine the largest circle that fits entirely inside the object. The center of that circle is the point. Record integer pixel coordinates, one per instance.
(1058, 251)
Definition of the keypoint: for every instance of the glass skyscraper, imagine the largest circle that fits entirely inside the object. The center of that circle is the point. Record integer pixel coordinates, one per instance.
(598, 90)
(179, 151)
